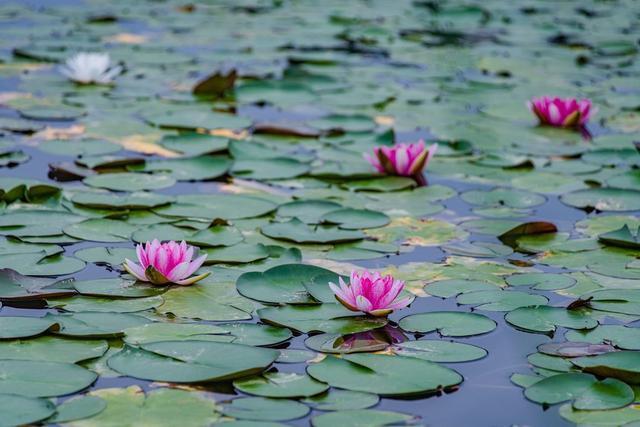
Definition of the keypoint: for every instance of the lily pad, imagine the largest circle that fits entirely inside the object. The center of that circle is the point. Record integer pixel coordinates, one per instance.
(448, 323)
(264, 409)
(296, 231)
(440, 351)
(328, 318)
(122, 181)
(384, 375)
(20, 410)
(281, 385)
(42, 378)
(191, 361)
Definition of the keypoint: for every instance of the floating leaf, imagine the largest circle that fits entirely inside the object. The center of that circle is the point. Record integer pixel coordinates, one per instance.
(191, 361)
(384, 375)
(545, 319)
(448, 323)
(281, 385)
(20, 410)
(42, 378)
(440, 351)
(264, 409)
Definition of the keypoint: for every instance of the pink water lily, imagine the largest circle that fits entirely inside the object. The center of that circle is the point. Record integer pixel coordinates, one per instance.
(162, 263)
(370, 293)
(561, 112)
(403, 159)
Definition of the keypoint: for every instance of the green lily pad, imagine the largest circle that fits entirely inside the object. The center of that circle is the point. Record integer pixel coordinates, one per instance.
(20, 410)
(281, 385)
(622, 237)
(307, 211)
(264, 169)
(545, 319)
(604, 199)
(355, 219)
(191, 361)
(106, 305)
(101, 230)
(623, 337)
(541, 281)
(78, 408)
(194, 144)
(95, 324)
(499, 300)
(123, 181)
(624, 365)
(216, 302)
(503, 197)
(193, 119)
(588, 393)
(188, 169)
(33, 378)
(368, 417)
(448, 323)
(264, 409)
(116, 287)
(384, 375)
(284, 283)
(340, 400)
(299, 232)
(328, 318)
(14, 286)
(52, 349)
(138, 200)
(440, 351)
(23, 327)
(160, 407)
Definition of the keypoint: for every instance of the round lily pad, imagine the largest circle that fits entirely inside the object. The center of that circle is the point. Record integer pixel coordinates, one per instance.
(384, 375)
(281, 385)
(355, 219)
(284, 284)
(191, 361)
(22, 327)
(265, 409)
(448, 323)
(368, 417)
(604, 199)
(545, 319)
(123, 181)
(340, 400)
(21, 410)
(440, 351)
(42, 378)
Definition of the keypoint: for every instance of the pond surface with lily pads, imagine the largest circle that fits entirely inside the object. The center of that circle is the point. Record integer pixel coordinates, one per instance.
(418, 213)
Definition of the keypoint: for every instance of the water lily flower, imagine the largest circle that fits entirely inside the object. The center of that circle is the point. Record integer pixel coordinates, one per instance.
(370, 293)
(162, 263)
(88, 68)
(559, 112)
(403, 159)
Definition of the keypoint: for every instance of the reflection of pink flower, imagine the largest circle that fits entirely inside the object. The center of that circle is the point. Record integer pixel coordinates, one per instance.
(402, 159)
(370, 293)
(162, 263)
(561, 112)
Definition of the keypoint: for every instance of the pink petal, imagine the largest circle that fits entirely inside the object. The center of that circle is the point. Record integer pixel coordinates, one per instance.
(196, 264)
(363, 304)
(179, 272)
(400, 303)
(136, 270)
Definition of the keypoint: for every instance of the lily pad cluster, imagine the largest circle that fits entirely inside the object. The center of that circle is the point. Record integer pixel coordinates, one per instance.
(212, 125)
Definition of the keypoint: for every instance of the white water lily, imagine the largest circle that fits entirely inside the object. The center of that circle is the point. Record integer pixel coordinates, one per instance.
(87, 68)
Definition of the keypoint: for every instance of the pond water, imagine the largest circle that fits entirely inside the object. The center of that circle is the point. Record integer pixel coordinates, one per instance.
(294, 95)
